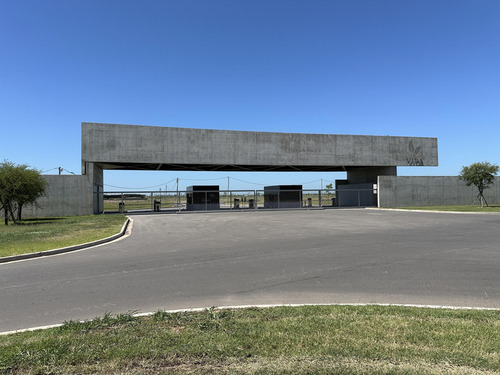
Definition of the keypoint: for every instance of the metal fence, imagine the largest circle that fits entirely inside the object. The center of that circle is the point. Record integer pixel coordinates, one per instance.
(156, 201)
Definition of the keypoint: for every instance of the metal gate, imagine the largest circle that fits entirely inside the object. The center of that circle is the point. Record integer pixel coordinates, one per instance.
(176, 201)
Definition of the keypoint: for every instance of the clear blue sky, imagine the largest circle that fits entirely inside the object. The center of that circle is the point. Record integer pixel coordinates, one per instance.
(389, 67)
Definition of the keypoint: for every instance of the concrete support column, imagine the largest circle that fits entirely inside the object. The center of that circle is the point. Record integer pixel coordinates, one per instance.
(364, 175)
(95, 177)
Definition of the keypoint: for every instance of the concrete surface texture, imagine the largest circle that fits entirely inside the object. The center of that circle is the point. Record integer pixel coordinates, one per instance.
(217, 259)
(116, 146)
(411, 191)
(70, 195)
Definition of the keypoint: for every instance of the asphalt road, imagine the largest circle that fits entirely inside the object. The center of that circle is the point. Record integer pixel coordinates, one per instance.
(174, 261)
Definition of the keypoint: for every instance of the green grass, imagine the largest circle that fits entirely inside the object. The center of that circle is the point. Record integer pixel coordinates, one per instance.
(35, 235)
(283, 340)
(457, 208)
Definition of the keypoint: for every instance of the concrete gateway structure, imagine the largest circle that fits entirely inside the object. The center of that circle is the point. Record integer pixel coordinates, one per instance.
(364, 158)
(132, 147)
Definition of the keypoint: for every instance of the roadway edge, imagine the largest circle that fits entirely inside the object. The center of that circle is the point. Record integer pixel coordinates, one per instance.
(197, 309)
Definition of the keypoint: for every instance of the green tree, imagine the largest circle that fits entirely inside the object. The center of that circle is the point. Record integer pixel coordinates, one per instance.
(19, 186)
(329, 187)
(481, 175)
(32, 187)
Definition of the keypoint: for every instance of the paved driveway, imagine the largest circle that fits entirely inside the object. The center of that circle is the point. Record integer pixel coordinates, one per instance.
(176, 261)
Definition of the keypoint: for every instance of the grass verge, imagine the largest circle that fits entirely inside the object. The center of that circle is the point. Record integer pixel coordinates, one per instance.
(457, 208)
(282, 340)
(33, 235)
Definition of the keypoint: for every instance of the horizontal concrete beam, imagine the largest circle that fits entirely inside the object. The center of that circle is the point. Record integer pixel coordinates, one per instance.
(115, 146)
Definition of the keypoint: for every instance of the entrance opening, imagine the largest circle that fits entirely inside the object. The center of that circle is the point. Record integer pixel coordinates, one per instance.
(205, 200)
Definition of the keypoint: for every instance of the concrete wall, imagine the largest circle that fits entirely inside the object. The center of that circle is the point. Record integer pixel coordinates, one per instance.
(69, 195)
(65, 196)
(402, 191)
(116, 146)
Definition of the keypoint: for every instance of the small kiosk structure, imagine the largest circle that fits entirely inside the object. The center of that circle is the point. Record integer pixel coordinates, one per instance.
(283, 196)
(202, 198)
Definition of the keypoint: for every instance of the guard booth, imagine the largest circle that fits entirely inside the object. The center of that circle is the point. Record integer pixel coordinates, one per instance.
(283, 196)
(202, 197)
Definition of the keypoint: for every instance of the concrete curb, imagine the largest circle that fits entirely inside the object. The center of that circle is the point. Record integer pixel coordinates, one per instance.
(197, 309)
(225, 210)
(68, 249)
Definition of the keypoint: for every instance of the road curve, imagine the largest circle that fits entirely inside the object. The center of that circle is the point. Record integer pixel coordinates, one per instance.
(174, 261)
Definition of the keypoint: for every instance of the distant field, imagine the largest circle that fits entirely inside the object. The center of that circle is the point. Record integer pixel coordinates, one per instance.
(35, 235)
(466, 208)
(342, 340)
(131, 204)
